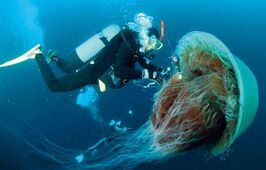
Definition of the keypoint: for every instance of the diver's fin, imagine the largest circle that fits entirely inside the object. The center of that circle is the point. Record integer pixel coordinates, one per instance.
(28, 55)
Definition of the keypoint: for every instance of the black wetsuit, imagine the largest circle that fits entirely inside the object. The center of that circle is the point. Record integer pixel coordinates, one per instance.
(117, 59)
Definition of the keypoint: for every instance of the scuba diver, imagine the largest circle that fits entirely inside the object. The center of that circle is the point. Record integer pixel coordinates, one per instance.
(108, 58)
(114, 64)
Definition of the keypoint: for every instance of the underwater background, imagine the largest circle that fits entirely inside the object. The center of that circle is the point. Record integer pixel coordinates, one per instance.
(63, 25)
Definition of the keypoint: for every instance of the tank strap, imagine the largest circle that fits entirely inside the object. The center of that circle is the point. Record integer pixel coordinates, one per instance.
(124, 39)
(103, 38)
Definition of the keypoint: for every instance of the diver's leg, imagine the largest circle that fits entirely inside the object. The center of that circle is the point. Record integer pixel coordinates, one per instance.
(60, 62)
(68, 82)
(64, 66)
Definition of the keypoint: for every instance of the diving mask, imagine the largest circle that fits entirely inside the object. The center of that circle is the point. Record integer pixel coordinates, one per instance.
(152, 43)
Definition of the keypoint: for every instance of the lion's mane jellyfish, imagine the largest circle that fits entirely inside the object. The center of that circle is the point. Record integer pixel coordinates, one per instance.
(210, 102)
(200, 103)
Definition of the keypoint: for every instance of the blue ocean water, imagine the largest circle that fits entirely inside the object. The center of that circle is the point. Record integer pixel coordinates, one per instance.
(63, 25)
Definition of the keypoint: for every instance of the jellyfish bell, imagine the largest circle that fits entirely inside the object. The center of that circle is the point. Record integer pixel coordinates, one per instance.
(247, 108)
(211, 101)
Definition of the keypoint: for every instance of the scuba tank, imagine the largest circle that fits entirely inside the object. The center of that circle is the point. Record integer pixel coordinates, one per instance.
(90, 48)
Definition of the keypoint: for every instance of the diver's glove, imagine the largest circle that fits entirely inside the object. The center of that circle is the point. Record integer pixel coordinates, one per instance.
(153, 75)
(159, 69)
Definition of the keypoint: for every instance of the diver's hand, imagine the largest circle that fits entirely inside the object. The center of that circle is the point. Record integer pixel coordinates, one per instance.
(152, 75)
(159, 69)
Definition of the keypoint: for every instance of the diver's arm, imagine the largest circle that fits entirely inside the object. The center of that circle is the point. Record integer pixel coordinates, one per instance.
(121, 70)
(143, 62)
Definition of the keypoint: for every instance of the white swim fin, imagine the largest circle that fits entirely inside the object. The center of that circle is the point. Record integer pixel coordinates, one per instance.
(28, 55)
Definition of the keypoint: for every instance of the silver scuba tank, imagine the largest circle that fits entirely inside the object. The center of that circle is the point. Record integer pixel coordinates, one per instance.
(91, 47)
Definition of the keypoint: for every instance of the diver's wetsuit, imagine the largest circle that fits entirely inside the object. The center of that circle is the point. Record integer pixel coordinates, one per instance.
(118, 57)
